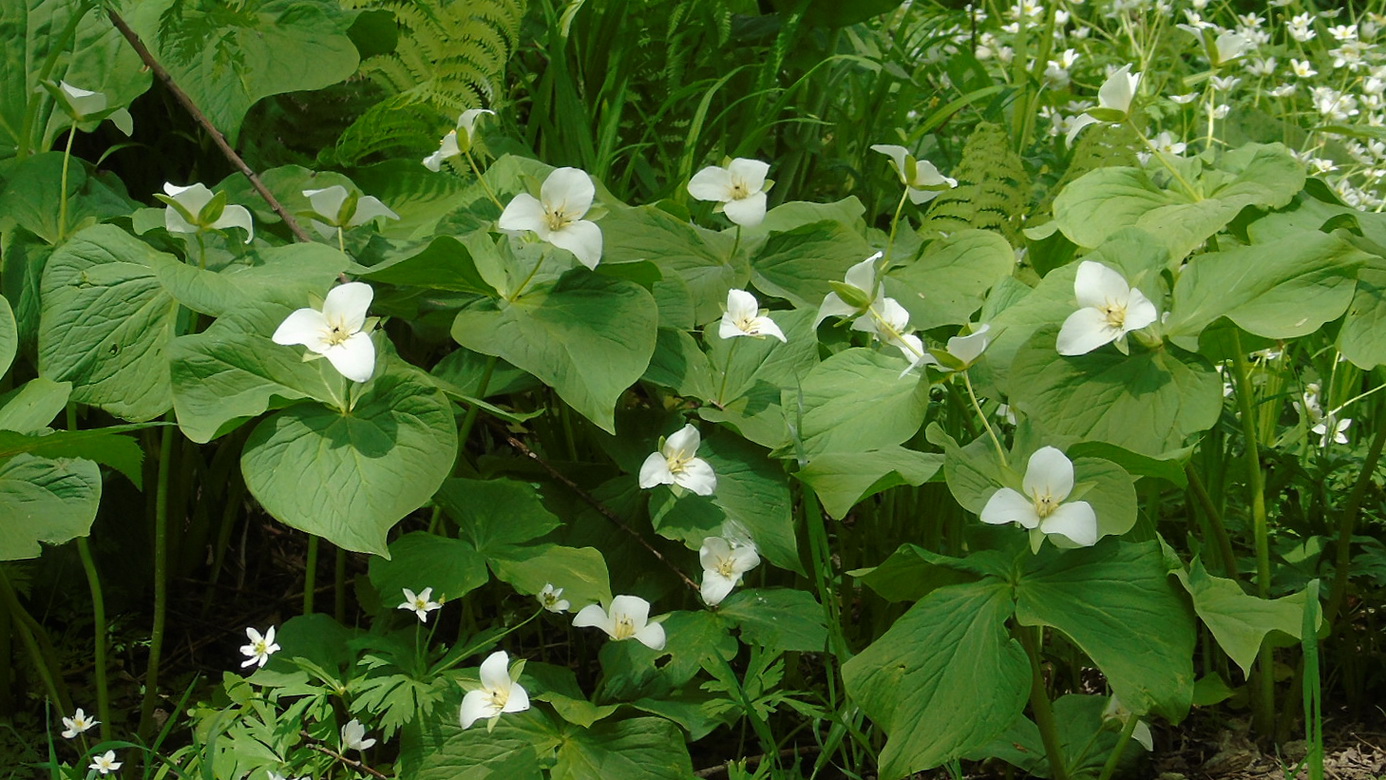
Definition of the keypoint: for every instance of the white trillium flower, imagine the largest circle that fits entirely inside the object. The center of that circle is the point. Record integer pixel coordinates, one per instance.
(338, 332)
(963, 351)
(723, 564)
(84, 103)
(551, 598)
(744, 317)
(1110, 309)
(105, 763)
(676, 463)
(337, 209)
(922, 180)
(191, 210)
(912, 347)
(739, 189)
(420, 604)
(861, 283)
(261, 647)
(1113, 101)
(1041, 508)
(457, 141)
(354, 736)
(628, 619)
(556, 215)
(499, 692)
(79, 723)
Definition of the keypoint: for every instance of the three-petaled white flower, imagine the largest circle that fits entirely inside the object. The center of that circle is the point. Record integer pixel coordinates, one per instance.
(105, 763)
(744, 317)
(339, 332)
(420, 604)
(922, 180)
(556, 216)
(551, 598)
(860, 288)
(458, 141)
(78, 724)
(739, 189)
(960, 354)
(723, 564)
(354, 736)
(261, 647)
(195, 208)
(1110, 309)
(84, 105)
(1042, 507)
(499, 692)
(628, 619)
(1113, 101)
(335, 209)
(677, 463)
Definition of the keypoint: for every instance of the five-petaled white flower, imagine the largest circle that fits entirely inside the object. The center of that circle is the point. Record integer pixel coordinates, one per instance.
(104, 763)
(335, 209)
(260, 648)
(744, 317)
(628, 619)
(1110, 309)
(1113, 101)
(1041, 508)
(739, 189)
(458, 141)
(551, 598)
(922, 180)
(556, 216)
(420, 604)
(676, 463)
(354, 736)
(78, 724)
(723, 564)
(195, 208)
(499, 692)
(1329, 429)
(339, 332)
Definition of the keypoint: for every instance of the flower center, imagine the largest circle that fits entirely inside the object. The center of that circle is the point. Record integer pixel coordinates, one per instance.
(261, 648)
(556, 218)
(338, 333)
(678, 462)
(625, 628)
(1045, 504)
(499, 699)
(727, 568)
(1116, 315)
(739, 190)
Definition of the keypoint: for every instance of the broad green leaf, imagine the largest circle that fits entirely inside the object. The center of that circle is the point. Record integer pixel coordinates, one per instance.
(31, 195)
(580, 571)
(947, 283)
(45, 500)
(1170, 466)
(777, 619)
(439, 748)
(1148, 402)
(912, 572)
(1240, 622)
(797, 213)
(694, 254)
(350, 477)
(9, 336)
(797, 265)
(973, 471)
(1280, 291)
(232, 372)
(640, 747)
(290, 275)
(857, 400)
(312, 646)
(33, 405)
(493, 513)
(21, 277)
(419, 196)
(1117, 603)
(841, 479)
(558, 686)
(229, 62)
(589, 337)
(104, 445)
(418, 560)
(1083, 740)
(680, 364)
(444, 264)
(750, 376)
(107, 323)
(946, 679)
(692, 638)
(1362, 338)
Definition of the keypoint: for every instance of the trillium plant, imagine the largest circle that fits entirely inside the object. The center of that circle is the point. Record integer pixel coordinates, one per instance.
(340, 331)
(677, 463)
(1043, 504)
(1110, 309)
(738, 188)
(556, 216)
(499, 692)
(628, 618)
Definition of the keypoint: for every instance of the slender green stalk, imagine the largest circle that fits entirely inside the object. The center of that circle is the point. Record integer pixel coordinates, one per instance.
(57, 48)
(1215, 525)
(98, 610)
(310, 574)
(1347, 518)
(736, 244)
(62, 193)
(482, 180)
(995, 441)
(894, 225)
(1312, 683)
(821, 550)
(339, 586)
(156, 639)
(1039, 704)
(1263, 693)
(474, 409)
(1122, 741)
(721, 400)
(35, 641)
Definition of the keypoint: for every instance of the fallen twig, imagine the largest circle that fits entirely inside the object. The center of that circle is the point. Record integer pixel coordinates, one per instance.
(353, 763)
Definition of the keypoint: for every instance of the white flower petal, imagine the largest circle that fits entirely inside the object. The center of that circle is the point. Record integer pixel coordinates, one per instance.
(683, 443)
(897, 155)
(304, 326)
(1007, 506)
(346, 305)
(525, 212)
(1074, 520)
(192, 197)
(698, 477)
(749, 172)
(518, 701)
(475, 706)
(716, 587)
(368, 208)
(742, 305)
(767, 327)
(744, 558)
(234, 216)
(569, 190)
(833, 306)
(495, 672)
(714, 549)
(1085, 330)
(467, 120)
(968, 348)
(863, 275)
(353, 358)
(1096, 285)
(583, 238)
(1140, 312)
(1050, 473)
(593, 616)
(651, 636)
(711, 183)
(748, 211)
(633, 608)
(328, 201)
(655, 471)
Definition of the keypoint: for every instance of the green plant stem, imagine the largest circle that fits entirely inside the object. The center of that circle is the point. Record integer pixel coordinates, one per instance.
(62, 193)
(1039, 704)
(1263, 693)
(35, 641)
(1215, 525)
(339, 586)
(482, 180)
(98, 610)
(894, 225)
(991, 432)
(310, 574)
(1347, 518)
(474, 409)
(1122, 741)
(726, 371)
(821, 549)
(57, 48)
(156, 639)
(736, 244)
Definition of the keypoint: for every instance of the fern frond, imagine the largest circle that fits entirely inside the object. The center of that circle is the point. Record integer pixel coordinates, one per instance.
(993, 191)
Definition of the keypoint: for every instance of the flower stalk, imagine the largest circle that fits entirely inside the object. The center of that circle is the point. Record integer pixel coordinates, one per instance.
(1039, 703)
(156, 639)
